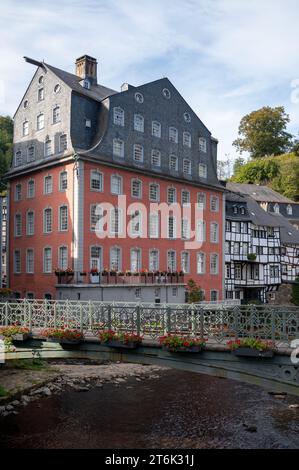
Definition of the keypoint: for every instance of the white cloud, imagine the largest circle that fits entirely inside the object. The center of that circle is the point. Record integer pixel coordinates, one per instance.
(226, 57)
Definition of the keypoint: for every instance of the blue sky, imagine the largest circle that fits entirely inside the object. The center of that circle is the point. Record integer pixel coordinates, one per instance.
(226, 57)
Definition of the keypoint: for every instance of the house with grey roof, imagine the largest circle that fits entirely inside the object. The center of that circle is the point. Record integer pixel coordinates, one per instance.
(261, 252)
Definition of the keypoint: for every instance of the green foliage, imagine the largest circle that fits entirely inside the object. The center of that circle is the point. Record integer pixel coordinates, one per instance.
(279, 173)
(194, 292)
(3, 392)
(295, 292)
(263, 133)
(6, 143)
(29, 364)
(239, 162)
(252, 343)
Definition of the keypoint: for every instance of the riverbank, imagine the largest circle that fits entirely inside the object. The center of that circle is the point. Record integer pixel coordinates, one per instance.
(25, 381)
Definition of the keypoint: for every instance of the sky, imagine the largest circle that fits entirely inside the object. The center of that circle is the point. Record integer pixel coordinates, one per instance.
(226, 57)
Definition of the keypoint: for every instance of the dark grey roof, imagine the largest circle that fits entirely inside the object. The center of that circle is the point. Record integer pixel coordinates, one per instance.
(259, 216)
(96, 92)
(258, 193)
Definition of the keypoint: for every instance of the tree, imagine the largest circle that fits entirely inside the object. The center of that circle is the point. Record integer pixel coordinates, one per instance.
(239, 162)
(194, 292)
(279, 173)
(263, 133)
(295, 292)
(6, 143)
(260, 171)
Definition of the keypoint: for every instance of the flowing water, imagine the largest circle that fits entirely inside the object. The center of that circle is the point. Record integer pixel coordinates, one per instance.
(176, 410)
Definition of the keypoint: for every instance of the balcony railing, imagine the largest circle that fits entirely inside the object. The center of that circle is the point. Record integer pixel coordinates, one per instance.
(114, 278)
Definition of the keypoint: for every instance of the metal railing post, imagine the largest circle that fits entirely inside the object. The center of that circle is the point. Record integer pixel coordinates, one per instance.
(138, 320)
(81, 318)
(109, 323)
(6, 314)
(30, 316)
(168, 319)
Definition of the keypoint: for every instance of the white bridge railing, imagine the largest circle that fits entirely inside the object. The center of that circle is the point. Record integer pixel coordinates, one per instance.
(218, 322)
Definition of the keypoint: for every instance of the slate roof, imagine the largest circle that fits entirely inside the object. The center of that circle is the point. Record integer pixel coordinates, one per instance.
(96, 92)
(258, 193)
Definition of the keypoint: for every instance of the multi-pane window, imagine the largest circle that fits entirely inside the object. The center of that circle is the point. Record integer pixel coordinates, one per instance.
(135, 260)
(48, 184)
(156, 129)
(25, 128)
(138, 123)
(201, 231)
(115, 259)
(115, 221)
(227, 271)
(18, 158)
(238, 271)
(227, 248)
(56, 115)
(31, 189)
(202, 170)
(40, 94)
(40, 121)
(63, 143)
(136, 188)
(187, 166)
(30, 223)
(30, 261)
(156, 158)
(48, 220)
(173, 135)
(118, 116)
(47, 261)
(63, 218)
(154, 192)
(173, 163)
(17, 261)
(171, 261)
(214, 263)
(31, 154)
(171, 227)
(187, 139)
(138, 153)
(214, 295)
(96, 214)
(185, 229)
(63, 181)
(202, 144)
(185, 197)
(214, 204)
(154, 226)
(201, 263)
(154, 260)
(171, 195)
(116, 184)
(95, 258)
(236, 248)
(18, 192)
(96, 181)
(214, 232)
(136, 223)
(18, 225)
(185, 262)
(63, 257)
(48, 148)
(118, 148)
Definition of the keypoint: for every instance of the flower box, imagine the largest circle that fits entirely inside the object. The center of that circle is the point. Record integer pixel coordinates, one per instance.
(121, 345)
(64, 341)
(182, 349)
(19, 337)
(94, 278)
(250, 352)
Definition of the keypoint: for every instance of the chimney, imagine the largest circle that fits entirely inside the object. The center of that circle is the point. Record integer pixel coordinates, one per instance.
(86, 68)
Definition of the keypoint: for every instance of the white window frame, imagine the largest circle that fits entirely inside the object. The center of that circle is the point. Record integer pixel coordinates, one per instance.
(136, 180)
(153, 264)
(202, 143)
(202, 170)
(40, 121)
(120, 184)
(32, 157)
(154, 225)
(63, 180)
(30, 226)
(30, 184)
(45, 220)
(138, 123)
(97, 176)
(48, 147)
(118, 116)
(18, 225)
(173, 135)
(214, 232)
(214, 256)
(29, 269)
(118, 144)
(171, 195)
(17, 264)
(156, 129)
(201, 263)
(46, 188)
(214, 203)
(187, 140)
(187, 254)
(25, 128)
(118, 252)
(171, 267)
(138, 153)
(156, 188)
(187, 166)
(46, 269)
(63, 143)
(56, 116)
(173, 159)
(156, 158)
(63, 259)
(63, 219)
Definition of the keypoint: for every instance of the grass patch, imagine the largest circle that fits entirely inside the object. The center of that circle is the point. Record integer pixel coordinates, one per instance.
(3, 392)
(29, 364)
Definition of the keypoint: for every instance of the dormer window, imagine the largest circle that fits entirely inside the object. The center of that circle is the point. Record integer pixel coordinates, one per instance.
(41, 80)
(31, 154)
(57, 88)
(173, 135)
(86, 84)
(18, 158)
(276, 209)
(26, 103)
(202, 170)
(25, 128)
(289, 210)
(63, 143)
(48, 147)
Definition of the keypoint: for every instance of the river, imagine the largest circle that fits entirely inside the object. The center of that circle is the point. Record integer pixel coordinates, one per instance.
(177, 410)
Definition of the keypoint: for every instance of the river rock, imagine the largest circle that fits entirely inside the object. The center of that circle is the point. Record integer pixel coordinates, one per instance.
(25, 399)
(2, 409)
(16, 403)
(46, 391)
(294, 407)
(9, 408)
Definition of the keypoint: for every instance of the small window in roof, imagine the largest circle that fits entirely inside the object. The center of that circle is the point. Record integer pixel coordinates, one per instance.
(57, 88)
(41, 79)
(166, 93)
(139, 97)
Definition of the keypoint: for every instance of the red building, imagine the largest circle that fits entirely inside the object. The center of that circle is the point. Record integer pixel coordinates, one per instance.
(79, 146)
